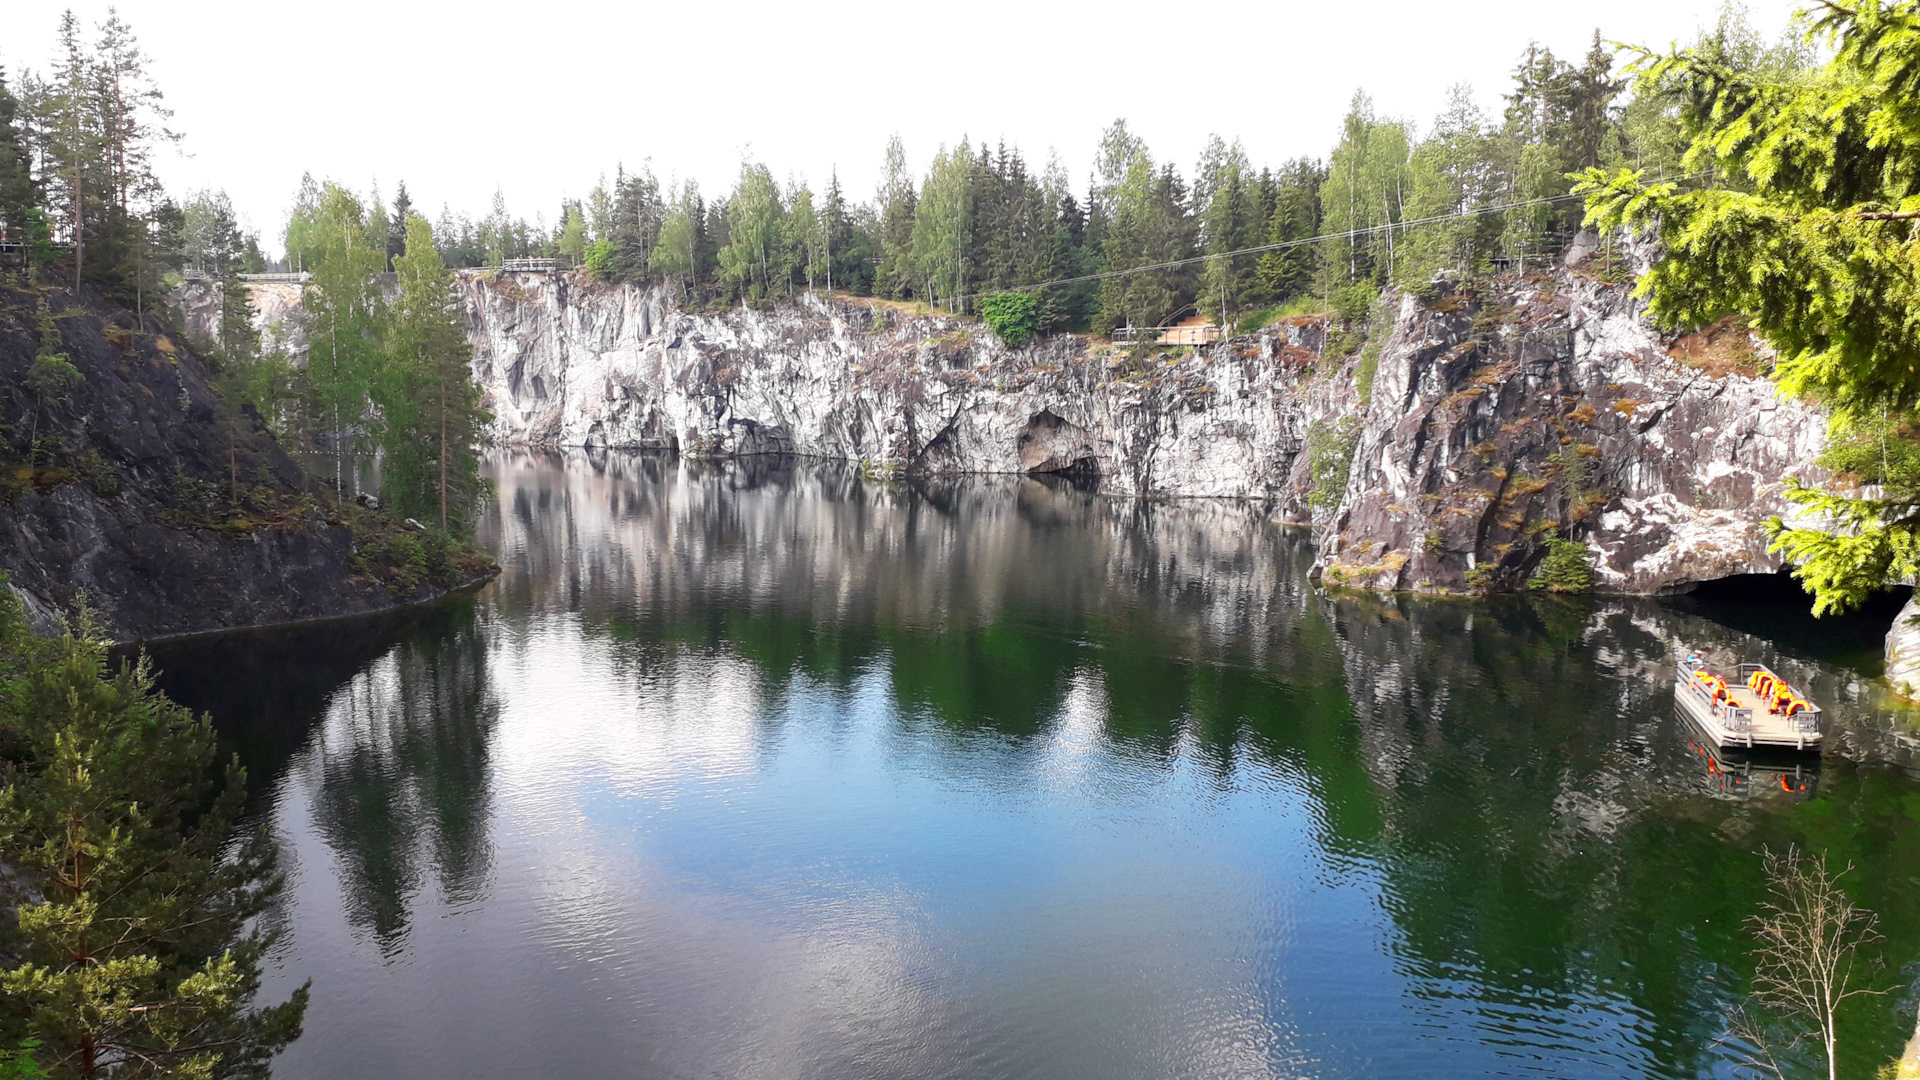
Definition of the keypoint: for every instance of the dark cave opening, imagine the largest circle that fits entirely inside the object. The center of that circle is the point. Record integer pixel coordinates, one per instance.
(1775, 607)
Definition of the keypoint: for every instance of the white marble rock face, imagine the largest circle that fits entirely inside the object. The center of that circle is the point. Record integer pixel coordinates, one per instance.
(1478, 402)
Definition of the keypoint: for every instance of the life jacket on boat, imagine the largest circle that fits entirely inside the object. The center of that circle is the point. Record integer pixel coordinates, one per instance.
(1796, 705)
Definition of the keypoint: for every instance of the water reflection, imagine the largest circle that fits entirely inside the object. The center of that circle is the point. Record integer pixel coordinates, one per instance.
(400, 771)
(758, 769)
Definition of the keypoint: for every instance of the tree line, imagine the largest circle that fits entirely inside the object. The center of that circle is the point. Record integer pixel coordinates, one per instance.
(1469, 193)
(80, 198)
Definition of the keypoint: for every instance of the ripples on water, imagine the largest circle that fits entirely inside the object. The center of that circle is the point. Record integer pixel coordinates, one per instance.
(758, 770)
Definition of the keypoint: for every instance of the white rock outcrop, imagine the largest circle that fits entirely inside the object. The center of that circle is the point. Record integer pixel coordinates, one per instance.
(1496, 415)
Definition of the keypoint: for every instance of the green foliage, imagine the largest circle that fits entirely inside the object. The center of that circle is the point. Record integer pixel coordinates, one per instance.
(942, 224)
(426, 393)
(1294, 216)
(1150, 227)
(677, 254)
(1369, 365)
(1566, 568)
(572, 241)
(1260, 318)
(1812, 238)
(1330, 449)
(754, 259)
(1365, 190)
(1013, 316)
(344, 313)
(52, 377)
(599, 260)
(140, 956)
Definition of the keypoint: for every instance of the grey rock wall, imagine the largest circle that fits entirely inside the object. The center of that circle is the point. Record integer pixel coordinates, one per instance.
(1496, 418)
(1551, 407)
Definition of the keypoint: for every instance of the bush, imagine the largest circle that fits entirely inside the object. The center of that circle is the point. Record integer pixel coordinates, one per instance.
(1565, 569)
(600, 260)
(1330, 460)
(1013, 316)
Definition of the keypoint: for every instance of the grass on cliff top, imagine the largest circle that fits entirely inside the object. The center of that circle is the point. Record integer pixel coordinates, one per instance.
(1257, 320)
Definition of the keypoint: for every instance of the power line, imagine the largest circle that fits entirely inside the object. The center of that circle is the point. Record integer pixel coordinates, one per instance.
(1283, 245)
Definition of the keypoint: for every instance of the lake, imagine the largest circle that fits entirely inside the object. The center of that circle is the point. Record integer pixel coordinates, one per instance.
(761, 769)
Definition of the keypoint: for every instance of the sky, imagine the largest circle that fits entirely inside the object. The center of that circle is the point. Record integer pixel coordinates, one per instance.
(540, 100)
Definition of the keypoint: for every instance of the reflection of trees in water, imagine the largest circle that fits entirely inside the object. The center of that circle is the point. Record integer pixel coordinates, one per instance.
(402, 763)
(1548, 837)
(1513, 768)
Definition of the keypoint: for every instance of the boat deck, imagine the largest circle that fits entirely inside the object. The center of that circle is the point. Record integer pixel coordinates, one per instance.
(1745, 721)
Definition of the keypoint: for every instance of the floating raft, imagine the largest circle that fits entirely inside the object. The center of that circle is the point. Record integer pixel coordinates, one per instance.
(1734, 712)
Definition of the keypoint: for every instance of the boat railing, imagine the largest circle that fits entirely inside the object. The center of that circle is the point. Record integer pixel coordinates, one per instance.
(1730, 716)
(1807, 720)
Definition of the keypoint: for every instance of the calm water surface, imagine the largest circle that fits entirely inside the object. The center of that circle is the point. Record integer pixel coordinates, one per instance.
(763, 771)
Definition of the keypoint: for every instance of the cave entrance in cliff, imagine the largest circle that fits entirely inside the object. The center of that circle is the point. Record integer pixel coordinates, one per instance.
(1775, 607)
(1056, 446)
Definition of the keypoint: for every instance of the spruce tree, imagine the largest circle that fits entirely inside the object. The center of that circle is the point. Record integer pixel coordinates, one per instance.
(1808, 228)
(397, 226)
(239, 340)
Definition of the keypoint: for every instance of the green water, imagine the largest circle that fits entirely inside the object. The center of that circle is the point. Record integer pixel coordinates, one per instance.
(762, 770)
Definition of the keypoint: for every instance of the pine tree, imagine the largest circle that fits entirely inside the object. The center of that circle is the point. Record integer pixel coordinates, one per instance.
(21, 220)
(1227, 223)
(239, 340)
(847, 265)
(139, 957)
(1151, 226)
(636, 215)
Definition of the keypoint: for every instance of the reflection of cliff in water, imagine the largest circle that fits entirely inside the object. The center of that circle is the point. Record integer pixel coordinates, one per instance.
(1515, 767)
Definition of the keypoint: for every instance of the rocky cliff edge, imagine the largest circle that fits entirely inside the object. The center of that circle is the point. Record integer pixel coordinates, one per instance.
(1440, 456)
(134, 489)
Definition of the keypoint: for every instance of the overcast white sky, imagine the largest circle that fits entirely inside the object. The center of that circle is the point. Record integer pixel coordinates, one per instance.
(539, 99)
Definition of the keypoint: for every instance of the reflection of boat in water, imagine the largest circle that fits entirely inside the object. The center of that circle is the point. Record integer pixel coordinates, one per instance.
(1755, 708)
(1743, 774)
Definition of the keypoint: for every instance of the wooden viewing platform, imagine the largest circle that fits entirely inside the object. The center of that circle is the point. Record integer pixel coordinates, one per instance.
(1194, 331)
(1745, 719)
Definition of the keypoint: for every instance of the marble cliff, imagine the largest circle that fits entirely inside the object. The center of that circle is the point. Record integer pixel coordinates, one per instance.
(1439, 456)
